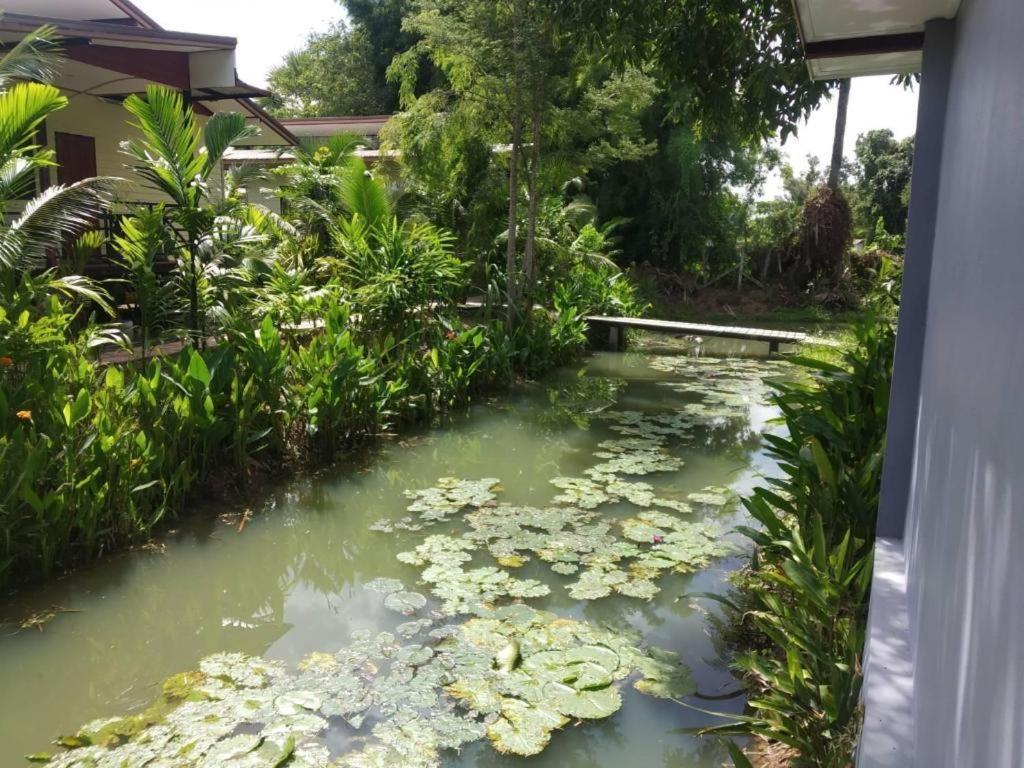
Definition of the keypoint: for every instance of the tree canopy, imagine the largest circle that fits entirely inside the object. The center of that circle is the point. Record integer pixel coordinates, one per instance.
(883, 178)
(733, 64)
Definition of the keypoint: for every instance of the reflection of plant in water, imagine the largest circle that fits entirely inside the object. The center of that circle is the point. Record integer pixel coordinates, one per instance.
(578, 400)
(513, 675)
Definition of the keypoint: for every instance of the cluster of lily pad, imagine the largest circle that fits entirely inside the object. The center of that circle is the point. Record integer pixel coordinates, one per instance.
(606, 556)
(727, 388)
(432, 505)
(513, 675)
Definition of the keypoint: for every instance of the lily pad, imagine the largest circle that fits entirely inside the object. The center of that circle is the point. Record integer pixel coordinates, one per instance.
(405, 603)
(524, 729)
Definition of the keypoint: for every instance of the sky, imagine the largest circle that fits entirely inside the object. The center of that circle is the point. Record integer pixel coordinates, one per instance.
(874, 103)
(267, 30)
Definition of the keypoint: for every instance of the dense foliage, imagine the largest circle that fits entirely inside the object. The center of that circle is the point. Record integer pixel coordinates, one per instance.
(342, 71)
(884, 169)
(657, 112)
(806, 595)
(297, 335)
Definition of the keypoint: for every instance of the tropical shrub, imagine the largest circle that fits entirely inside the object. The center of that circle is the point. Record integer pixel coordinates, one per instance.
(398, 274)
(334, 385)
(179, 160)
(807, 594)
(142, 241)
(46, 222)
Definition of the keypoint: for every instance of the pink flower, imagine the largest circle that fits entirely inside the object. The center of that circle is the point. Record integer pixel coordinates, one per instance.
(659, 539)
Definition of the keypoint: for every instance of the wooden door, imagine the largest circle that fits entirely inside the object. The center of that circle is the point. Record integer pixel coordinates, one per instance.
(76, 160)
(76, 157)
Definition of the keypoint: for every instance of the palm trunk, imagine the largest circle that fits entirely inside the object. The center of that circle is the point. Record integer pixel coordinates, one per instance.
(193, 291)
(512, 255)
(835, 171)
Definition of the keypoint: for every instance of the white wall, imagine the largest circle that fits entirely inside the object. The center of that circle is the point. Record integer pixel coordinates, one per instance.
(965, 530)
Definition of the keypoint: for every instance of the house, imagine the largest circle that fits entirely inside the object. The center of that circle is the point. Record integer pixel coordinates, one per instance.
(945, 663)
(315, 130)
(309, 132)
(113, 50)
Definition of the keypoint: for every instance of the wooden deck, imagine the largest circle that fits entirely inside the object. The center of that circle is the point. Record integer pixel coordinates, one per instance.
(617, 326)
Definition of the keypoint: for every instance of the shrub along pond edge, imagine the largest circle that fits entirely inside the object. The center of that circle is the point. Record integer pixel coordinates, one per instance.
(94, 459)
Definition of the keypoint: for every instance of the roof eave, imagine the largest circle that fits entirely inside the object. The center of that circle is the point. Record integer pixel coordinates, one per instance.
(24, 24)
(842, 38)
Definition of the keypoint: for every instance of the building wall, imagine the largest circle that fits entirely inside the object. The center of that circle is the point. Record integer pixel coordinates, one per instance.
(109, 124)
(964, 542)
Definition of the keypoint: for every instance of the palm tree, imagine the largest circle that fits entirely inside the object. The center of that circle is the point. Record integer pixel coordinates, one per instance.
(52, 219)
(835, 170)
(179, 159)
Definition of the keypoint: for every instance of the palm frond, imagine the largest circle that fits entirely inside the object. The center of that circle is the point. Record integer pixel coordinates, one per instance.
(168, 155)
(341, 147)
(51, 220)
(81, 287)
(36, 57)
(102, 336)
(241, 177)
(143, 238)
(18, 176)
(267, 222)
(24, 108)
(222, 131)
(363, 195)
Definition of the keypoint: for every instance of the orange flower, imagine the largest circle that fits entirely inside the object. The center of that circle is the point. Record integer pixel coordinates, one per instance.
(6, 361)
(24, 415)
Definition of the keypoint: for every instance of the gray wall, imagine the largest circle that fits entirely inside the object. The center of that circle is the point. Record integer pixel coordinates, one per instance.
(964, 541)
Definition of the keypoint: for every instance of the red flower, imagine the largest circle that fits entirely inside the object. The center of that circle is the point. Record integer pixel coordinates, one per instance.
(451, 335)
(6, 361)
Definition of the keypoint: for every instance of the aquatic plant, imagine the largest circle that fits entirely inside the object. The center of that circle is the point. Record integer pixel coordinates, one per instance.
(514, 676)
(572, 540)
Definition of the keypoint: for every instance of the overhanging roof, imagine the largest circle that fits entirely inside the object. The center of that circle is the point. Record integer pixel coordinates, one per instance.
(850, 38)
(125, 50)
(13, 25)
(367, 125)
(110, 11)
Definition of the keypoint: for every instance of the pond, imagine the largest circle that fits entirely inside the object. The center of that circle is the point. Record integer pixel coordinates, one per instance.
(371, 602)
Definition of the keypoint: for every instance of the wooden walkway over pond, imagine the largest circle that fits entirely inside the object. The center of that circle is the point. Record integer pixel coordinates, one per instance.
(617, 327)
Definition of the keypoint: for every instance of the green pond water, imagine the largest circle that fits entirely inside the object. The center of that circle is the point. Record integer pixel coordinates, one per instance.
(293, 583)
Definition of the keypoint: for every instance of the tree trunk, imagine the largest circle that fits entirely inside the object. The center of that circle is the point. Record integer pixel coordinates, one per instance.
(193, 294)
(511, 263)
(530, 260)
(835, 171)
